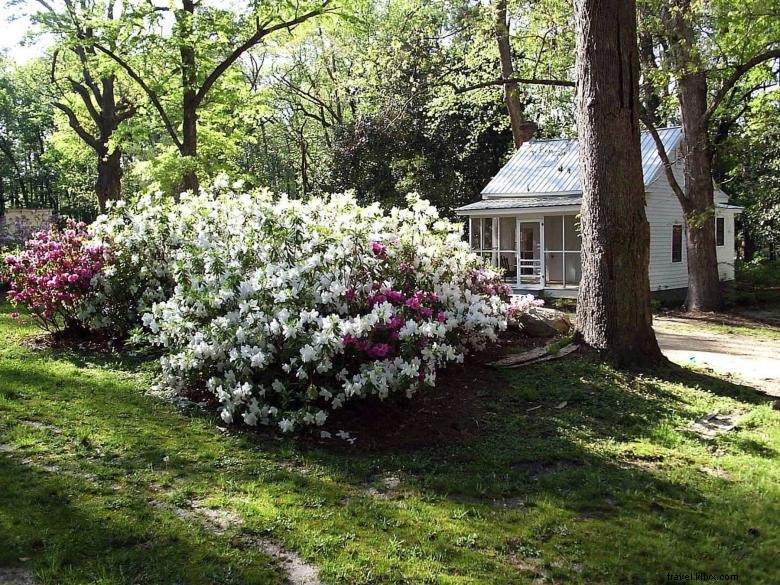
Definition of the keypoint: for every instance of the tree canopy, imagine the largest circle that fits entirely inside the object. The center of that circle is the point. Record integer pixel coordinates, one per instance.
(380, 97)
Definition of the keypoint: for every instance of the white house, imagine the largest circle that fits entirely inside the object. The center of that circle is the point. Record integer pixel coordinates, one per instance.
(527, 220)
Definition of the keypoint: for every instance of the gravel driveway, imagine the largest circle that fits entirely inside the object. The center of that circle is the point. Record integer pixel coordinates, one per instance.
(753, 360)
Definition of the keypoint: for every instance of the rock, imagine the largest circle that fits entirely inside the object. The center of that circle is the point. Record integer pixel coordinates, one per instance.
(713, 424)
(540, 322)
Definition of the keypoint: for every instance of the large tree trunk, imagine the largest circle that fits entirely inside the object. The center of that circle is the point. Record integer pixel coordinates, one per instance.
(522, 129)
(108, 186)
(613, 307)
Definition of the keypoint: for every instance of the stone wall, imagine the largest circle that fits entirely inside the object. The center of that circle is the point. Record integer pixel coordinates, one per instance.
(17, 225)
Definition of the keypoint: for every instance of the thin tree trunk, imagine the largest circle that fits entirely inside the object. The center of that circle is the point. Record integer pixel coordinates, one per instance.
(613, 307)
(704, 291)
(522, 129)
(189, 148)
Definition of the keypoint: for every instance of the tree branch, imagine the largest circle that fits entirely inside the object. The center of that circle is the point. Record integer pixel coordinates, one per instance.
(86, 98)
(77, 127)
(258, 36)
(664, 156)
(739, 71)
(519, 80)
(148, 90)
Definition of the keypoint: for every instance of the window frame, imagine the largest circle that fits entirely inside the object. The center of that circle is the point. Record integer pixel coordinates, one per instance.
(677, 231)
(720, 231)
(564, 249)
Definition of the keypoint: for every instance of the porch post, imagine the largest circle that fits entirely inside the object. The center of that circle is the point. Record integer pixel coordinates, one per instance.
(542, 253)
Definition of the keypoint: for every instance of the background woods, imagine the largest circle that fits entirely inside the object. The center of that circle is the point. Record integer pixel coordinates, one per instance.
(380, 97)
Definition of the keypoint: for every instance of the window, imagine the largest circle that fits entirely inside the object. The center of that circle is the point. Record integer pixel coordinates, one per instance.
(482, 236)
(562, 241)
(677, 241)
(720, 231)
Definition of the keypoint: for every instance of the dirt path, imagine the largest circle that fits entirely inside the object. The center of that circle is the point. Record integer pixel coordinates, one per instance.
(753, 360)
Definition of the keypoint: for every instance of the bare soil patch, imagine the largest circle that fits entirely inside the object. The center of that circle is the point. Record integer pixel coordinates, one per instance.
(449, 412)
(16, 576)
(752, 360)
(89, 341)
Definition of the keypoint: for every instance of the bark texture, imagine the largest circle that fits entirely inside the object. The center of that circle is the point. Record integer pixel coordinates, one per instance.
(108, 186)
(704, 292)
(613, 308)
(190, 101)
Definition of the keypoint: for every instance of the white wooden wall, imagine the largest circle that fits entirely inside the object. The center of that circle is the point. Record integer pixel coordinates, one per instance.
(664, 211)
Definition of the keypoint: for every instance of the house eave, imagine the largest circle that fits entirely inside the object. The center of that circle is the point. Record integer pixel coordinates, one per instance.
(519, 211)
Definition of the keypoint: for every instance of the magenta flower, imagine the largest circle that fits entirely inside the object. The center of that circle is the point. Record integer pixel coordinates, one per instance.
(379, 350)
(395, 296)
(52, 274)
(378, 249)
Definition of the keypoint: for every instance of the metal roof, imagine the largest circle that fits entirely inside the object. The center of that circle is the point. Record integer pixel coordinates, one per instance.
(542, 167)
(521, 203)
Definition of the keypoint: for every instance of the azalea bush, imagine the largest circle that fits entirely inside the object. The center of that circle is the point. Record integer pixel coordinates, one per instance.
(285, 310)
(140, 274)
(52, 276)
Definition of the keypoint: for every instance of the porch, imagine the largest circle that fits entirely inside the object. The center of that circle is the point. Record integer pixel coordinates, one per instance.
(535, 252)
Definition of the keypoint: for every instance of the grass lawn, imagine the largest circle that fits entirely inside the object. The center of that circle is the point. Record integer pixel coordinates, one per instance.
(95, 472)
(723, 326)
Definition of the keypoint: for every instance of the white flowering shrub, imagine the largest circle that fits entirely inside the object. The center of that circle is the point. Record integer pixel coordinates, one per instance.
(286, 310)
(140, 274)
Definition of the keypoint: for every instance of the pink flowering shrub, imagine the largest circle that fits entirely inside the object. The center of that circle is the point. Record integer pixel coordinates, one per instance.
(52, 275)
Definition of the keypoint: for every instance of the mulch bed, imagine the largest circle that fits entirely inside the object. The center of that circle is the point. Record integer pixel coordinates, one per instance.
(449, 412)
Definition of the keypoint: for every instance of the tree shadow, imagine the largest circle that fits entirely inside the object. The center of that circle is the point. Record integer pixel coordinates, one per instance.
(559, 463)
(71, 529)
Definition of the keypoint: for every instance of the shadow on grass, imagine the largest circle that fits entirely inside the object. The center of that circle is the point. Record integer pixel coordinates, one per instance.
(74, 531)
(571, 458)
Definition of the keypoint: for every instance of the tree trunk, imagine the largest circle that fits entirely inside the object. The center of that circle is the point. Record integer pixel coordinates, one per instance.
(108, 186)
(522, 129)
(189, 151)
(651, 99)
(704, 293)
(613, 307)
(189, 147)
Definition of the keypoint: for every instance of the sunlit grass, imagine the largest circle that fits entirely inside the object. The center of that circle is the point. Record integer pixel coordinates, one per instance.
(609, 488)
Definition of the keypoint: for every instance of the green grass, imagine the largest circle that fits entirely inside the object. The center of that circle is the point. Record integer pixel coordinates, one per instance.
(607, 489)
(759, 331)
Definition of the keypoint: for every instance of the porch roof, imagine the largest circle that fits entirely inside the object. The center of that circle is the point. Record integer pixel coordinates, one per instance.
(506, 203)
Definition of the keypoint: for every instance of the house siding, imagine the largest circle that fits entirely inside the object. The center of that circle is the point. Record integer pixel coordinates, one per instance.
(664, 211)
(727, 253)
